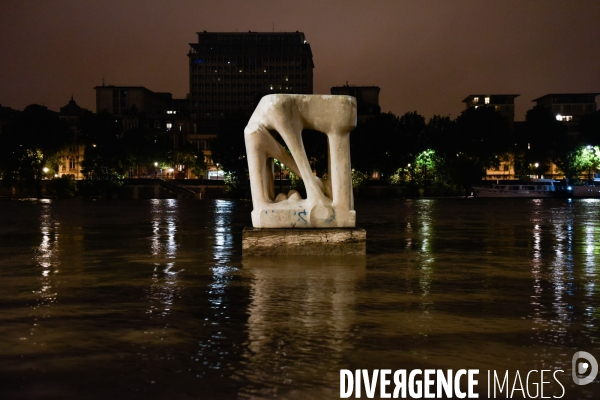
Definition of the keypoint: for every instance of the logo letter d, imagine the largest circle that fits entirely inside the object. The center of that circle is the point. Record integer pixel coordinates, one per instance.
(584, 367)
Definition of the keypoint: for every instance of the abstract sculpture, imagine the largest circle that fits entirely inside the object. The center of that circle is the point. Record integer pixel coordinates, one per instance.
(329, 202)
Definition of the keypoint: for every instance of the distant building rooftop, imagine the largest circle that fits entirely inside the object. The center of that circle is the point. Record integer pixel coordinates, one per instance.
(568, 98)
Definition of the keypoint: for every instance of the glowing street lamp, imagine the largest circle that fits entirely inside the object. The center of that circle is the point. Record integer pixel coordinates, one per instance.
(589, 149)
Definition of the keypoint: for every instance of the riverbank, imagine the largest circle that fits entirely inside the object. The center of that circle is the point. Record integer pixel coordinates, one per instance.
(216, 189)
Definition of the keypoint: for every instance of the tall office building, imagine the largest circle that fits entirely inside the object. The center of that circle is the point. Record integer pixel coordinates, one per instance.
(231, 71)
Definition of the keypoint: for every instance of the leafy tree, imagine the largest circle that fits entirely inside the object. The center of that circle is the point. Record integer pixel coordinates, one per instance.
(543, 134)
(229, 150)
(425, 170)
(412, 138)
(105, 157)
(442, 136)
(64, 186)
(359, 178)
(373, 144)
(453, 168)
(30, 144)
(191, 157)
(481, 135)
(140, 151)
(579, 161)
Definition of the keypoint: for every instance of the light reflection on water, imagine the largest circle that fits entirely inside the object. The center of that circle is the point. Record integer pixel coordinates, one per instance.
(164, 287)
(46, 254)
(156, 296)
(300, 308)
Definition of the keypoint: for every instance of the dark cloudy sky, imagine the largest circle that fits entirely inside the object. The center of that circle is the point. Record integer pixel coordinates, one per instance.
(426, 56)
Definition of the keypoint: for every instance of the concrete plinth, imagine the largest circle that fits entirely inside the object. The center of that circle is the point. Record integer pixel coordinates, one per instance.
(306, 241)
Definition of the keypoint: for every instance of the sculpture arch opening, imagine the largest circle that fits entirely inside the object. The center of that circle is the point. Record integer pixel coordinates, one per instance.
(328, 202)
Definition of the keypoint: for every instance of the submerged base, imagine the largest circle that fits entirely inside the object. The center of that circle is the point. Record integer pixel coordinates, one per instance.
(304, 241)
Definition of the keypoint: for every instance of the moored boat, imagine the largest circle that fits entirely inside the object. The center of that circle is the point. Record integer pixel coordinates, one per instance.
(535, 189)
(590, 190)
(586, 191)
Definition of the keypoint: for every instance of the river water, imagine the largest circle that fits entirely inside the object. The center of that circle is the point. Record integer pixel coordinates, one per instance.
(153, 300)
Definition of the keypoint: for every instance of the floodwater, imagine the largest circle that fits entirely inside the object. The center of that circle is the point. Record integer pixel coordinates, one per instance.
(153, 300)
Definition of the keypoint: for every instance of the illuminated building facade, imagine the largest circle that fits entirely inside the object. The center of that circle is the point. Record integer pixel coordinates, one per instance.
(71, 157)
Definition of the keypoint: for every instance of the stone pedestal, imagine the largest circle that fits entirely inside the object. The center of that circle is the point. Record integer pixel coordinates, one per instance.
(303, 241)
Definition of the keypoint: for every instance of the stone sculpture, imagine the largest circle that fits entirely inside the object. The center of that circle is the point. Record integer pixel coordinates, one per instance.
(329, 202)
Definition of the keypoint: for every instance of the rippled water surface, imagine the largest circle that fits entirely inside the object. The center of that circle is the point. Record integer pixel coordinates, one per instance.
(152, 299)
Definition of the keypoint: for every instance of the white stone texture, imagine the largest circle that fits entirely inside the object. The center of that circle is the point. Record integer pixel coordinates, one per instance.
(329, 202)
(316, 241)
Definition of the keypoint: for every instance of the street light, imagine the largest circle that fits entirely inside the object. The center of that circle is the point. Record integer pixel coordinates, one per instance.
(217, 164)
(281, 176)
(536, 165)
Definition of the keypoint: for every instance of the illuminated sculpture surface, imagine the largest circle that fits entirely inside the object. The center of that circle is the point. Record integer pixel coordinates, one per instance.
(329, 202)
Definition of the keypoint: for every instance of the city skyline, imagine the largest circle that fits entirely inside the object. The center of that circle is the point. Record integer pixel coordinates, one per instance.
(425, 56)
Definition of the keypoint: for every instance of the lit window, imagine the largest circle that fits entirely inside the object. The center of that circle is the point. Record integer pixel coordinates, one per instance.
(169, 125)
(475, 99)
(564, 118)
(487, 100)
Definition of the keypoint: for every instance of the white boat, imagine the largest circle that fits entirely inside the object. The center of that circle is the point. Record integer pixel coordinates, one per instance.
(535, 189)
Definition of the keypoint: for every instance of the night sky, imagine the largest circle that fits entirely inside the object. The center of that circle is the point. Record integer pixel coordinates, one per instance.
(426, 56)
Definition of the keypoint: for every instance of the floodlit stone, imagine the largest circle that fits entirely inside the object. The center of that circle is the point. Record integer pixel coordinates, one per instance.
(329, 202)
(280, 197)
(303, 242)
